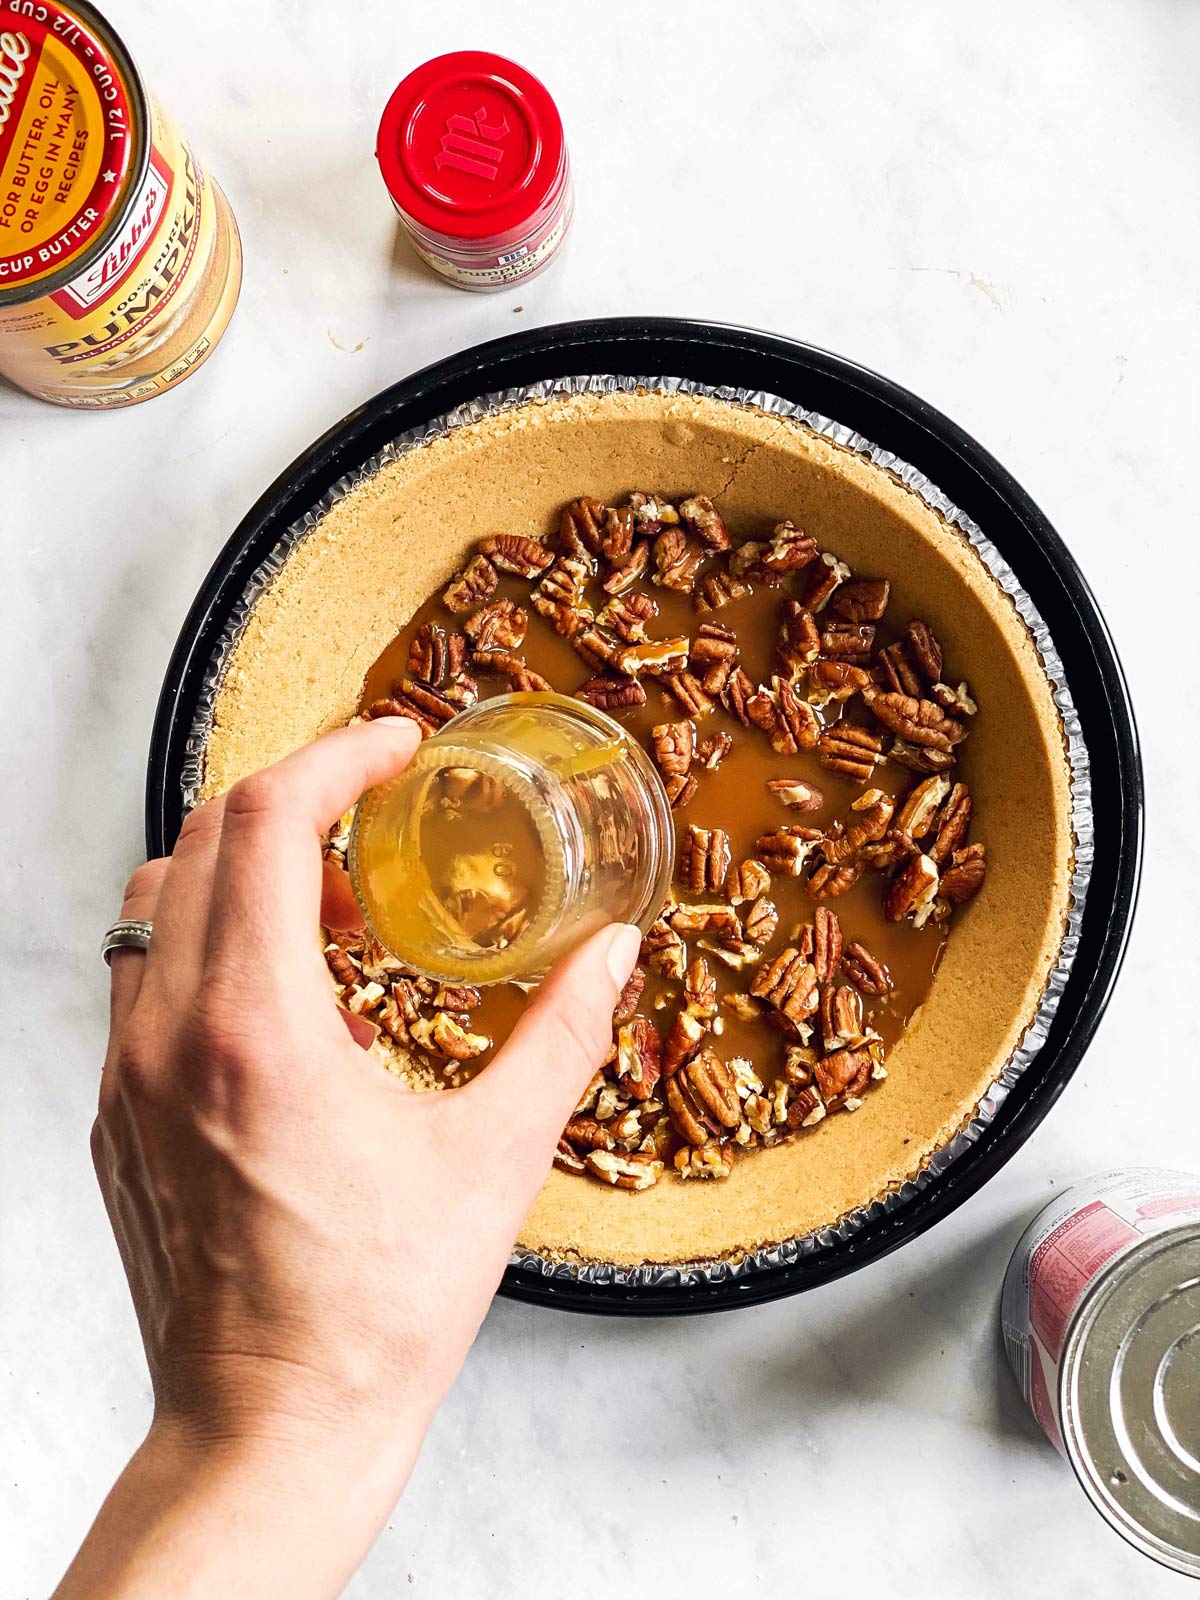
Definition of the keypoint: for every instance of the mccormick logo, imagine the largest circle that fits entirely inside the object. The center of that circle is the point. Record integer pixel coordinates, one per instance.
(465, 145)
(14, 52)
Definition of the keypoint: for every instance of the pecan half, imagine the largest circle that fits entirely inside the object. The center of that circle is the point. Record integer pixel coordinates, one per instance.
(805, 1109)
(625, 576)
(499, 626)
(589, 1134)
(677, 560)
(656, 657)
(796, 794)
(714, 656)
(708, 1160)
(507, 665)
(953, 821)
(651, 512)
(636, 1171)
(954, 699)
(429, 654)
(862, 599)
(912, 892)
(827, 944)
(627, 616)
(513, 552)
(422, 704)
(612, 693)
(843, 1074)
(702, 518)
(580, 526)
(920, 758)
(789, 984)
(719, 920)
(825, 578)
(965, 874)
(662, 949)
(687, 689)
(747, 562)
(790, 723)
(674, 745)
(850, 750)
(702, 1098)
(870, 817)
(786, 849)
(865, 971)
(923, 649)
(799, 639)
(442, 1036)
(712, 751)
(639, 1057)
(684, 1037)
(829, 881)
(736, 954)
(717, 589)
(919, 722)
(916, 816)
(893, 850)
(462, 691)
(848, 641)
(747, 881)
(761, 921)
(681, 790)
(559, 596)
(596, 645)
(737, 694)
(789, 549)
(704, 859)
(616, 537)
(837, 680)
(568, 1160)
(457, 997)
(474, 584)
(841, 1017)
(894, 670)
(340, 965)
(700, 989)
(630, 996)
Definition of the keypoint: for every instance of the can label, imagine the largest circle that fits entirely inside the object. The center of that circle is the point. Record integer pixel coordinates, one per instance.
(1061, 1255)
(83, 181)
(496, 272)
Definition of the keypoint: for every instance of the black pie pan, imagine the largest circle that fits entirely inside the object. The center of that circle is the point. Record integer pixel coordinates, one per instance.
(896, 420)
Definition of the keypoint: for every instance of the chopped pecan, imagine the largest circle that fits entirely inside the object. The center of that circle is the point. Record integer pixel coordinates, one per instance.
(700, 989)
(841, 1017)
(684, 1038)
(687, 689)
(919, 722)
(762, 919)
(588, 1134)
(850, 750)
(828, 881)
(704, 859)
(637, 1171)
(559, 596)
(843, 1074)
(719, 920)
(893, 850)
(429, 654)
(612, 693)
(790, 723)
(681, 790)
(747, 881)
(714, 656)
(657, 657)
(916, 816)
(965, 874)
(651, 512)
(894, 670)
(510, 666)
(920, 758)
(631, 994)
(870, 818)
(442, 1036)
(580, 527)
(837, 680)
(712, 751)
(639, 1057)
(958, 699)
(848, 641)
(568, 1160)
(737, 694)
(747, 562)
(798, 1060)
(799, 639)
(340, 965)
(462, 691)
(786, 849)
(789, 983)
(923, 649)
(625, 576)
(677, 560)
(702, 518)
(616, 538)
(825, 578)
(708, 1160)
(911, 892)
(953, 821)
(662, 948)
(827, 944)
(805, 1109)
(475, 584)
(789, 549)
(499, 626)
(597, 646)
(864, 970)
(796, 794)
(674, 746)
(627, 616)
(513, 552)
(731, 952)
(862, 599)
(457, 997)
(743, 1006)
(716, 589)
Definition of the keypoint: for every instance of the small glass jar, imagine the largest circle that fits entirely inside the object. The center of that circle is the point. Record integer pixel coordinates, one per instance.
(525, 824)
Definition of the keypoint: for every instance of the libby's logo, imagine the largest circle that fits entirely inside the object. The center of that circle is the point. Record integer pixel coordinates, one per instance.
(465, 144)
(14, 52)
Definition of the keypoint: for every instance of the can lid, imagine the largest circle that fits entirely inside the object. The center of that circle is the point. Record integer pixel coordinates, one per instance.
(470, 145)
(71, 120)
(1131, 1397)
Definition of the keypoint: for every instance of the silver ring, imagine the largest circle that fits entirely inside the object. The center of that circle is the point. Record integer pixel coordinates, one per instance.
(128, 934)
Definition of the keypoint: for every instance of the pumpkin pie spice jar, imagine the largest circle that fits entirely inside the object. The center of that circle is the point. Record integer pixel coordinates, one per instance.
(120, 262)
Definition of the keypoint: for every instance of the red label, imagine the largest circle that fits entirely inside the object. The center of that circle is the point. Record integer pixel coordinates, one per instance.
(1063, 1265)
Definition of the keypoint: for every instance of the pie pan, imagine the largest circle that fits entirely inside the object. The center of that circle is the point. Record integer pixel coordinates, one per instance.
(913, 439)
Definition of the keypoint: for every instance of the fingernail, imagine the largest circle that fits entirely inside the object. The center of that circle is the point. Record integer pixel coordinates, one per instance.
(623, 952)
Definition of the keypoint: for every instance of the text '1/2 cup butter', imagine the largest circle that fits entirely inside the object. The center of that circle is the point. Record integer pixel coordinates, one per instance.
(120, 262)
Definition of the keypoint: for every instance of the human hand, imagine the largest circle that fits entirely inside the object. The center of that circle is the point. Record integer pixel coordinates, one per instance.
(310, 1246)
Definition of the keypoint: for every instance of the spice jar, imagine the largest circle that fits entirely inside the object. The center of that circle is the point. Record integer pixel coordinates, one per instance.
(120, 263)
(472, 151)
(525, 824)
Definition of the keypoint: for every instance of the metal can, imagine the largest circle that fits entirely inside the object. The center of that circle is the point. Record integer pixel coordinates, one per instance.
(120, 262)
(472, 151)
(1101, 1321)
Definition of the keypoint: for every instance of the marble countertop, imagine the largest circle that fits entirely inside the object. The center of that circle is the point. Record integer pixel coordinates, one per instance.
(993, 206)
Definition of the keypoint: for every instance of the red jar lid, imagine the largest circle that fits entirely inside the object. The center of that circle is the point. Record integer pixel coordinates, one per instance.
(470, 145)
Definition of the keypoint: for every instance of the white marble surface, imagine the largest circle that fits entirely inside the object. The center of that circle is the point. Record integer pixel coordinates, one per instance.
(993, 205)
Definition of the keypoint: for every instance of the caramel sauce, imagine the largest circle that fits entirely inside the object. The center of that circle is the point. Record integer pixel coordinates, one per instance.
(735, 798)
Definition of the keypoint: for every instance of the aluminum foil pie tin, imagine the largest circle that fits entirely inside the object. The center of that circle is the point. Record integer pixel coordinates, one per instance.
(866, 414)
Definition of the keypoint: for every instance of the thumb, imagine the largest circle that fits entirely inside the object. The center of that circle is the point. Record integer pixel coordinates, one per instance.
(536, 1080)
